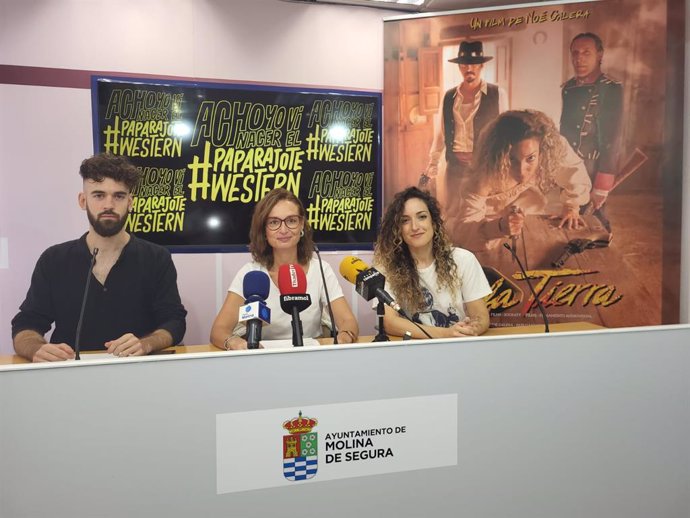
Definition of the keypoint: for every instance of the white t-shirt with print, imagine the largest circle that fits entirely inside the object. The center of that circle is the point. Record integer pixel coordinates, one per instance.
(280, 327)
(442, 307)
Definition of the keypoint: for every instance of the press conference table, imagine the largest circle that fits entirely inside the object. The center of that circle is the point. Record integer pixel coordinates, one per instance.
(497, 331)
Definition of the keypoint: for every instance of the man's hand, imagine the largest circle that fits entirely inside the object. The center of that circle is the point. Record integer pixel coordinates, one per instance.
(598, 197)
(54, 353)
(603, 183)
(127, 345)
(31, 345)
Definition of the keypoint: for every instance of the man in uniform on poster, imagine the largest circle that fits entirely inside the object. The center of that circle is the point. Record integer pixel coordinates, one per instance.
(466, 109)
(133, 306)
(591, 117)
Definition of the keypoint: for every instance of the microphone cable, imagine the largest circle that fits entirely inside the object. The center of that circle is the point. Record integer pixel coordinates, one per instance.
(524, 248)
(419, 326)
(531, 288)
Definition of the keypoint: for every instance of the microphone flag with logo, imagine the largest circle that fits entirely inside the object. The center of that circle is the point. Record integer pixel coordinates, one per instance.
(255, 288)
(294, 298)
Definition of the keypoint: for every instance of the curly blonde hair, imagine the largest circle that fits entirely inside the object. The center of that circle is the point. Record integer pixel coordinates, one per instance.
(393, 254)
(492, 154)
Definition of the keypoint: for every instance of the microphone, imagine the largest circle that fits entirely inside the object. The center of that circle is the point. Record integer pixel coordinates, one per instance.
(293, 297)
(255, 287)
(369, 282)
(77, 338)
(531, 288)
(334, 329)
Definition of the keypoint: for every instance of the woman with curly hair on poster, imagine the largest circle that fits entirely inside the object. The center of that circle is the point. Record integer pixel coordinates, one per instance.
(521, 162)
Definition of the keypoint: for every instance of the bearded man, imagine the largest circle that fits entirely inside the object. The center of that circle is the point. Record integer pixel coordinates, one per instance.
(134, 306)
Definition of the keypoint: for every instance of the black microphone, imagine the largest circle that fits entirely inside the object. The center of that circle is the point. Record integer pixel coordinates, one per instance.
(531, 288)
(370, 283)
(255, 288)
(334, 329)
(77, 338)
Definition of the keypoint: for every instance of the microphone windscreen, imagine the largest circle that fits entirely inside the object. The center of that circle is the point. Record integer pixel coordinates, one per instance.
(256, 285)
(351, 266)
(291, 279)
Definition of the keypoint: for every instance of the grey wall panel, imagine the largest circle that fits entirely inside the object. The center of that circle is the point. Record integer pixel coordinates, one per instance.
(590, 424)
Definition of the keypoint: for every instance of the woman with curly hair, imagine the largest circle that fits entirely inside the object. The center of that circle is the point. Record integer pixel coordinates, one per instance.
(520, 159)
(440, 286)
(280, 234)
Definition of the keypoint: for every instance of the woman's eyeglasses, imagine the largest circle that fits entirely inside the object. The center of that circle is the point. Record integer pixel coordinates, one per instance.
(291, 222)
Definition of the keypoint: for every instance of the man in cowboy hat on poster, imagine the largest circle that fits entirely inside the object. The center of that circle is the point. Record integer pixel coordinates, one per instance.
(466, 109)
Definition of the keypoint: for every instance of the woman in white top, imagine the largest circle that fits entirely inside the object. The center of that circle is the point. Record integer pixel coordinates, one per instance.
(280, 234)
(439, 286)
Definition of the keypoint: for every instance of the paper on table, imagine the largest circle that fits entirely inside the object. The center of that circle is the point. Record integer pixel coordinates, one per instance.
(98, 356)
(285, 344)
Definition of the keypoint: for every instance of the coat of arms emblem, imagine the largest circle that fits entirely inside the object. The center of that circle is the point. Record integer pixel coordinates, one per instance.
(300, 448)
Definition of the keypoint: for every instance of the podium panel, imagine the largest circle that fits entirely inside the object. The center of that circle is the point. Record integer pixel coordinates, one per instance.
(595, 423)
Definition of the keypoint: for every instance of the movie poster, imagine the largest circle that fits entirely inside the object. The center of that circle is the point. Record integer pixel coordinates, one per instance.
(552, 136)
(209, 152)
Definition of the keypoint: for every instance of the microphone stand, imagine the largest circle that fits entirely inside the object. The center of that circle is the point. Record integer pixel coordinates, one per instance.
(334, 329)
(380, 311)
(77, 338)
(536, 299)
(253, 336)
(296, 328)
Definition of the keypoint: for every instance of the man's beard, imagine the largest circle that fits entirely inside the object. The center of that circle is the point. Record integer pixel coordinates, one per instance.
(106, 227)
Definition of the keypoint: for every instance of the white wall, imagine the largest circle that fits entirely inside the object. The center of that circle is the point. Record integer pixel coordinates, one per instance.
(45, 132)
